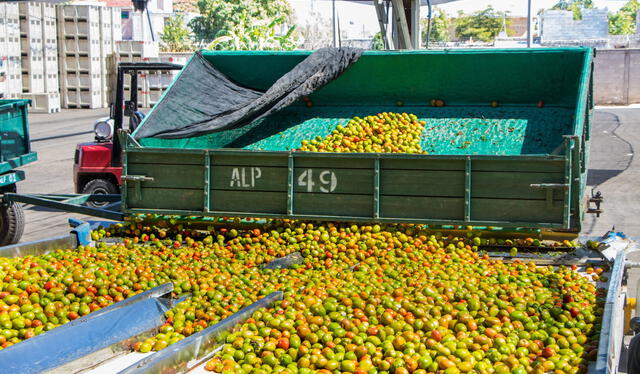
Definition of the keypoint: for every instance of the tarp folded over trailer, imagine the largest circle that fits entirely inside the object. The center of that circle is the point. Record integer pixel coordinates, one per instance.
(202, 100)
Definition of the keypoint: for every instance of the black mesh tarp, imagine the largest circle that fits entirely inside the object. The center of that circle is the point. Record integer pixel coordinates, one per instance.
(202, 100)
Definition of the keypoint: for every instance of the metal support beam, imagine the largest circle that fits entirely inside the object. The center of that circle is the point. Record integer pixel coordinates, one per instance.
(53, 202)
(383, 22)
(529, 27)
(429, 16)
(334, 26)
(416, 35)
(400, 24)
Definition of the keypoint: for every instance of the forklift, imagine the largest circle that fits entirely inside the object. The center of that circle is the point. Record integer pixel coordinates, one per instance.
(97, 165)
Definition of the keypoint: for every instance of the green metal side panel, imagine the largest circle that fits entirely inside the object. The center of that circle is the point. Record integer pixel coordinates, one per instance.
(416, 77)
(14, 129)
(467, 80)
(372, 187)
(517, 165)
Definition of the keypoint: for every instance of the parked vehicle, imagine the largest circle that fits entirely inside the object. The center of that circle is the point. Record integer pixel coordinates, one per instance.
(97, 165)
(15, 151)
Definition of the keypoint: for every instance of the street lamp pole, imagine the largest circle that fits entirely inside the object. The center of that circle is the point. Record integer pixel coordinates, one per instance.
(529, 34)
(335, 35)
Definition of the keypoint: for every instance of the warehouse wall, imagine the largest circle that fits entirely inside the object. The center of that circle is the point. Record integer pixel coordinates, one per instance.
(559, 28)
(617, 77)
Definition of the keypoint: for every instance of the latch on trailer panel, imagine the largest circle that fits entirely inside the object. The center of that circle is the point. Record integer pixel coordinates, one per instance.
(137, 180)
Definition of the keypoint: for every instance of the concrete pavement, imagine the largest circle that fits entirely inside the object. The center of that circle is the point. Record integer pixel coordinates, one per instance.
(615, 171)
(54, 137)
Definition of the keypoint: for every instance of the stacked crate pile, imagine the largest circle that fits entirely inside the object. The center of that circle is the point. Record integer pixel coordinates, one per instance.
(31, 48)
(80, 56)
(3, 57)
(10, 56)
(47, 101)
(136, 51)
(50, 48)
(110, 33)
(38, 45)
(157, 82)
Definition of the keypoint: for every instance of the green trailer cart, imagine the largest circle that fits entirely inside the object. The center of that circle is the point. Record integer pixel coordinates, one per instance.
(508, 148)
(15, 151)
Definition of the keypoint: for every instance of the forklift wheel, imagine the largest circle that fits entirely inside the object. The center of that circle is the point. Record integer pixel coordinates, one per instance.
(99, 187)
(11, 223)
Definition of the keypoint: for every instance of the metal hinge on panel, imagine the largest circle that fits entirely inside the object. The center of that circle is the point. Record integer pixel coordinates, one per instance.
(137, 181)
(137, 178)
(549, 187)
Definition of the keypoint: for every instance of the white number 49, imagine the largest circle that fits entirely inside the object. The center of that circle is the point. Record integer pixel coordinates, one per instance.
(327, 180)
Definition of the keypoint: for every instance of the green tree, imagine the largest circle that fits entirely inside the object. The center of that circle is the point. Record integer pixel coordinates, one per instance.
(575, 6)
(175, 36)
(250, 34)
(624, 21)
(378, 42)
(440, 25)
(483, 25)
(219, 17)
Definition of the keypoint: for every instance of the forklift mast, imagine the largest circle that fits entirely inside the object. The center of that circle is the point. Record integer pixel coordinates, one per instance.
(121, 108)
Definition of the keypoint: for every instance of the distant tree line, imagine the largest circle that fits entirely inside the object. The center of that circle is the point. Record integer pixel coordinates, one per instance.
(269, 25)
(237, 24)
(483, 26)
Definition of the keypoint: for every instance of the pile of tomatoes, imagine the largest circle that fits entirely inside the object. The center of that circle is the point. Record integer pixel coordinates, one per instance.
(365, 299)
(382, 133)
(406, 301)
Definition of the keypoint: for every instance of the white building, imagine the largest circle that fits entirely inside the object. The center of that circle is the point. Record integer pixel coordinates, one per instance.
(135, 25)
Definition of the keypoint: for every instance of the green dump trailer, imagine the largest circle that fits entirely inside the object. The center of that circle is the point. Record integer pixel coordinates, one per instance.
(509, 148)
(15, 151)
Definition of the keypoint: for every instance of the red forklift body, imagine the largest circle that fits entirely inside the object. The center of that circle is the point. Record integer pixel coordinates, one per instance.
(97, 167)
(91, 159)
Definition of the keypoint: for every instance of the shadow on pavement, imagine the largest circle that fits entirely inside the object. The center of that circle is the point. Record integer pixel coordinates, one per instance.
(599, 176)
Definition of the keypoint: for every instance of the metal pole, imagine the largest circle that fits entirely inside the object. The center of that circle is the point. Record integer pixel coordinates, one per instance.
(153, 37)
(118, 119)
(428, 24)
(382, 19)
(529, 34)
(400, 25)
(416, 37)
(335, 39)
(339, 36)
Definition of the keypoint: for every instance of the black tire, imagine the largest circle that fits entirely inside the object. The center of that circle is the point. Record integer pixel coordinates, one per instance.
(99, 187)
(11, 223)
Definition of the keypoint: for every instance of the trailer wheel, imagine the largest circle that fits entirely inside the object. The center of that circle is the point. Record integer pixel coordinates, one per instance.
(99, 187)
(11, 223)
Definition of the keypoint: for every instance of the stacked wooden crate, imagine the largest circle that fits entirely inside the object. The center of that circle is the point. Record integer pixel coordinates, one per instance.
(10, 56)
(136, 51)
(39, 61)
(50, 48)
(52, 52)
(31, 47)
(110, 33)
(80, 56)
(156, 82)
